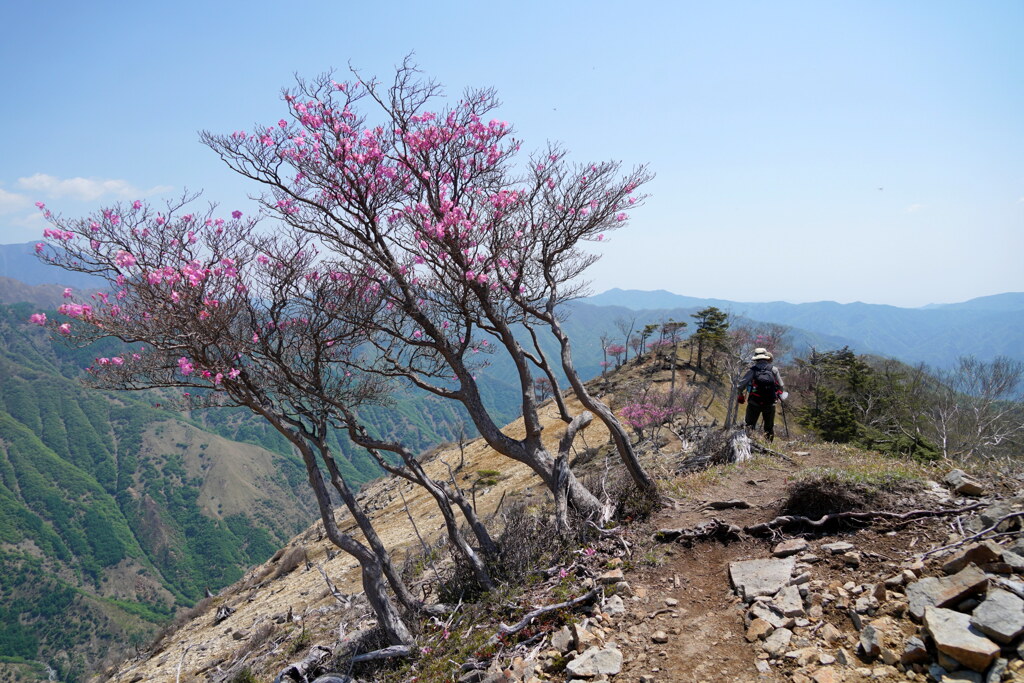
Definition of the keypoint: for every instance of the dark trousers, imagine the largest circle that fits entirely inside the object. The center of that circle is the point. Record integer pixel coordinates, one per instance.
(767, 412)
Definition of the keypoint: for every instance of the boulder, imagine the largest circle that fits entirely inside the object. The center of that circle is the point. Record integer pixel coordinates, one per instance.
(760, 610)
(752, 578)
(870, 642)
(789, 602)
(614, 606)
(954, 635)
(945, 591)
(778, 641)
(964, 484)
(596, 661)
(1001, 616)
(977, 553)
(914, 651)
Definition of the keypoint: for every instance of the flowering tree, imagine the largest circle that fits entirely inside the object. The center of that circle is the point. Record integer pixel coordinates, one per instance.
(616, 351)
(463, 247)
(237, 319)
(649, 410)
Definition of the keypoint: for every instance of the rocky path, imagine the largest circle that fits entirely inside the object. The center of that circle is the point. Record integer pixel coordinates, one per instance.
(856, 606)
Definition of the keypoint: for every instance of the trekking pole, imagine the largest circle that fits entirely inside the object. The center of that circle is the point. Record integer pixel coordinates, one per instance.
(785, 423)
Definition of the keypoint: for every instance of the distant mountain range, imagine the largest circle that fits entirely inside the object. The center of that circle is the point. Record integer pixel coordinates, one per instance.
(937, 334)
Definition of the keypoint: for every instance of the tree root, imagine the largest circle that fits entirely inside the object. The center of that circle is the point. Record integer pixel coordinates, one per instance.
(783, 521)
(712, 529)
(715, 529)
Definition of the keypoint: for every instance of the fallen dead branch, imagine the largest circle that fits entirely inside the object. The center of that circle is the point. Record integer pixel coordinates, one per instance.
(866, 516)
(504, 630)
(968, 539)
(761, 448)
(392, 652)
(300, 671)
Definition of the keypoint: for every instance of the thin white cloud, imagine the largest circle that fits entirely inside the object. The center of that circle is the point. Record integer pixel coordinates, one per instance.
(85, 189)
(11, 201)
(913, 208)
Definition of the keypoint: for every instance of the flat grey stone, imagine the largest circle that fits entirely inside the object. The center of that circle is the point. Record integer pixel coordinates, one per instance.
(752, 578)
(963, 676)
(595, 661)
(1001, 616)
(776, 619)
(978, 553)
(837, 547)
(789, 602)
(1014, 560)
(954, 635)
(562, 640)
(945, 591)
(996, 671)
(614, 606)
(964, 484)
(778, 641)
(914, 651)
(870, 642)
(789, 547)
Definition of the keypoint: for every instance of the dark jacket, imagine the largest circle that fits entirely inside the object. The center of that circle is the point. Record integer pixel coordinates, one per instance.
(746, 382)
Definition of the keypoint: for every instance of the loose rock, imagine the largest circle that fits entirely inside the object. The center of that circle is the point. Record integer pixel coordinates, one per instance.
(954, 635)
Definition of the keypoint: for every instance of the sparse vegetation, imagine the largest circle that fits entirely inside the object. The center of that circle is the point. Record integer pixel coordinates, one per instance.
(819, 492)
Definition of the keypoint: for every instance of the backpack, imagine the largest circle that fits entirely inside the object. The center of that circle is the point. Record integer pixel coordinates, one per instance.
(764, 384)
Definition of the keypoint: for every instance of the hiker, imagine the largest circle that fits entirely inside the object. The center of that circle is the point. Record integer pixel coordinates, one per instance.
(764, 382)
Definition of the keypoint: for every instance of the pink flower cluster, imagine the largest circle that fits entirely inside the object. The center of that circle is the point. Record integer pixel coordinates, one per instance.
(75, 310)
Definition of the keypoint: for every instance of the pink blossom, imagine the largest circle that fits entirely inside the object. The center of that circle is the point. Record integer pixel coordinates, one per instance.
(37, 319)
(65, 328)
(136, 205)
(236, 214)
(39, 247)
(234, 372)
(75, 310)
(124, 259)
(117, 360)
(67, 292)
(621, 216)
(218, 378)
(185, 366)
(40, 205)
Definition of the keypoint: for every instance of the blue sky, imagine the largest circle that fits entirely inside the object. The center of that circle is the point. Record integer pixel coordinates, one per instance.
(847, 151)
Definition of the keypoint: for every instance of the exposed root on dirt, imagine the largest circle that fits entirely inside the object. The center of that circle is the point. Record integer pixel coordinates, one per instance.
(721, 531)
(708, 531)
(783, 521)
